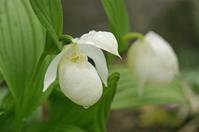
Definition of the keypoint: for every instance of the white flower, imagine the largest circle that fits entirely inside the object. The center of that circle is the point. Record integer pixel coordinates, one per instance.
(79, 80)
(153, 59)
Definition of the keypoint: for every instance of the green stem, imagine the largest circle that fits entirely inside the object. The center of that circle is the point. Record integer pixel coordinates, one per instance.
(133, 35)
(66, 38)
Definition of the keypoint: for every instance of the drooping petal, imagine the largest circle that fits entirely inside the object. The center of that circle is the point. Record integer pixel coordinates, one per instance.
(80, 82)
(99, 59)
(100, 39)
(51, 72)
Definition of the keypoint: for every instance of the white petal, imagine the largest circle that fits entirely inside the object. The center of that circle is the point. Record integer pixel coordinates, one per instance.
(100, 39)
(80, 83)
(99, 59)
(51, 72)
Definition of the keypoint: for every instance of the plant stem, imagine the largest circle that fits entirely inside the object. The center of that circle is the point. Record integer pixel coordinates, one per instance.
(133, 35)
(66, 38)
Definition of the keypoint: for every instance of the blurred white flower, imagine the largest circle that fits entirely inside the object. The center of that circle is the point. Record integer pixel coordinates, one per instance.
(79, 80)
(153, 60)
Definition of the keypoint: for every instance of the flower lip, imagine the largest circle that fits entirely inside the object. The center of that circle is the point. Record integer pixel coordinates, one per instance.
(80, 82)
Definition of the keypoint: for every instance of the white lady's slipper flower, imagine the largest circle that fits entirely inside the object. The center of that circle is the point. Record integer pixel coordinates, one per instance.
(79, 80)
(153, 59)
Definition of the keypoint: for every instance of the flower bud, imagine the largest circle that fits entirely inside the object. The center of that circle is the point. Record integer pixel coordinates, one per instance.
(153, 60)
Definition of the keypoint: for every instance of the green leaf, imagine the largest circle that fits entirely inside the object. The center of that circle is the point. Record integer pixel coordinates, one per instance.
(118, 19)
(34, 96)
(127, 92)
(50, 14)
(22, 42)
(93, 119)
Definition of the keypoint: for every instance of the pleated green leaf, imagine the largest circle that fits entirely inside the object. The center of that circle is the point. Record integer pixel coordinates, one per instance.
(93, 119)
(22, 42)
(49, 13)
(127, 92)
(118, 19)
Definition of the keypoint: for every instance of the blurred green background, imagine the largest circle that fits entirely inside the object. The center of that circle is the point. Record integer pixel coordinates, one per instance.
(175, 20)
